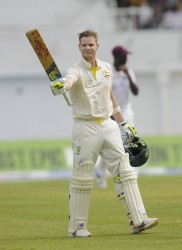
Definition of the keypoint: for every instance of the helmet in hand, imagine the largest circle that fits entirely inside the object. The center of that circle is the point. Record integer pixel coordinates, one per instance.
(138, 152)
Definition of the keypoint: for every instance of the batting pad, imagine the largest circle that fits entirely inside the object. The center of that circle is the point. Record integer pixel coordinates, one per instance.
(132, 194)
(80, 189)
(121, 197)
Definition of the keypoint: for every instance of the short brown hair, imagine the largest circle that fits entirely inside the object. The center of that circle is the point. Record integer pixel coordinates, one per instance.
(88, 33)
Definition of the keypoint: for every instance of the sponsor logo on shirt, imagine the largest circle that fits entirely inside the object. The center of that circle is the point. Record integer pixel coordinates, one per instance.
(106, 74)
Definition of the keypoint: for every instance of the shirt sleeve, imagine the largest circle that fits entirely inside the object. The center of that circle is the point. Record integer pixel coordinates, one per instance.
(72, 76)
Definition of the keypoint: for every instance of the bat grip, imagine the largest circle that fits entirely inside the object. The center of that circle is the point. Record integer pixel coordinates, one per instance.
(67, 98)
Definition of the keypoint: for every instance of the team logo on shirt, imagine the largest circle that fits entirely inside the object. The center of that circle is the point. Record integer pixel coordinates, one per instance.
(106, 74)
(78, 150)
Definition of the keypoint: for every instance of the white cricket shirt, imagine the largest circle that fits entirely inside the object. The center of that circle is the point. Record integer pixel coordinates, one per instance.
(90, 95)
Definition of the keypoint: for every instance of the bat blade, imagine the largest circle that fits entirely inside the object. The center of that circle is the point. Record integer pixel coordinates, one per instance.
(45, 57)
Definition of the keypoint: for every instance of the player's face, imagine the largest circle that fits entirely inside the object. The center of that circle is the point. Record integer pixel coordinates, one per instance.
(123, 59)
(88, 47)
(120, 59)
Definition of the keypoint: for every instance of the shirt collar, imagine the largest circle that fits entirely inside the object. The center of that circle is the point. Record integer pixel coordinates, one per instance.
(88, 65)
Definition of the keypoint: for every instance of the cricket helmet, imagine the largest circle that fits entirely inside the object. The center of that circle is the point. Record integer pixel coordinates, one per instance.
(138, 152)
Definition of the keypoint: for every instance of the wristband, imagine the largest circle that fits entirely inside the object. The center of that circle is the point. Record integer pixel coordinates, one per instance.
(116, 110)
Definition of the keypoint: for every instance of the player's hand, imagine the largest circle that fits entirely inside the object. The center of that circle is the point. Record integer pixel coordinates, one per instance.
(124, 69)
(58, 87)
(128, 132)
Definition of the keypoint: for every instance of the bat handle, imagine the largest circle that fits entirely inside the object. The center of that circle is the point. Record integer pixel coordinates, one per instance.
(67, 98)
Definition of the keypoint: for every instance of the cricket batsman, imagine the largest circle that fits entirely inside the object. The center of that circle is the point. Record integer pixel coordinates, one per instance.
(89, 83)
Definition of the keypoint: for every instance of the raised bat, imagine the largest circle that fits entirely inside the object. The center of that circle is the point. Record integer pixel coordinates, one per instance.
(45, 57)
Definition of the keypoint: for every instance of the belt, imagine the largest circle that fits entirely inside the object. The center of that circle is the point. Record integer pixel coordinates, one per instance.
(100, 120)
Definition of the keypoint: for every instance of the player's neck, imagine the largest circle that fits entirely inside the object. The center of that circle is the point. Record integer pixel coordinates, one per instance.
(92, 62)
(91, 59)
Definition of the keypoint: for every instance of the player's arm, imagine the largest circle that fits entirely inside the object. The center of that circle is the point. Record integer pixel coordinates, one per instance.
(133, 86)
(116, 109)
(127, 131)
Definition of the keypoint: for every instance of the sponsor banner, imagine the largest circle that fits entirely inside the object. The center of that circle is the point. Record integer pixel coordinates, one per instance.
(164, 151)
(165, 156)
(36, 159)
(51, 159)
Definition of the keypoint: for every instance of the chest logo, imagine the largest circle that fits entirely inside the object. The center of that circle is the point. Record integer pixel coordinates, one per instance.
(106, 74)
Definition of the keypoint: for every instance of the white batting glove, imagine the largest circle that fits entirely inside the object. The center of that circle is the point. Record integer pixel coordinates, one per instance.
(128, 132)
(58, 87)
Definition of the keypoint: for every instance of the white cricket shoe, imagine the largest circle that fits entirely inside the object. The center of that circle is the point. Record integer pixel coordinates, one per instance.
(80, 233)
(147, 224)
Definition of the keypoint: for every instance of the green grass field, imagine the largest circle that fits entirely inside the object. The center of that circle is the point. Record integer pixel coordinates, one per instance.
(34, 216)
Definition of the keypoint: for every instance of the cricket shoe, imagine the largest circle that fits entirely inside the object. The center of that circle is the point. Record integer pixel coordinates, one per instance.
(147, 224)
(80, 233)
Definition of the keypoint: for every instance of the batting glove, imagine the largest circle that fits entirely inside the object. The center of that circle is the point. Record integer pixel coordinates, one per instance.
(128, 132)
(58, 87)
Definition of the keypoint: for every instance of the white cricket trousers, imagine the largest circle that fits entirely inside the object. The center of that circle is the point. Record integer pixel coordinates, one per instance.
(91, 138)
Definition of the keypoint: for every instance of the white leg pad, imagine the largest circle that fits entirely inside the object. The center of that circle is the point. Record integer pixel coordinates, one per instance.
(132, 194)
(80, 189)
(121, 197)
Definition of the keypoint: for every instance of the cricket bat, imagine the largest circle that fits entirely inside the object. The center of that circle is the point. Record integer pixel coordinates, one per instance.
(45, 58)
